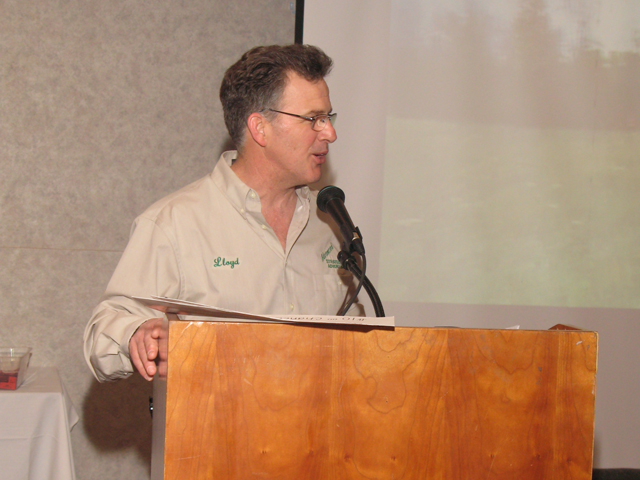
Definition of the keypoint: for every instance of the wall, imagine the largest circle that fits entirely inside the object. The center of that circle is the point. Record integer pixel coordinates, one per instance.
(105, 106)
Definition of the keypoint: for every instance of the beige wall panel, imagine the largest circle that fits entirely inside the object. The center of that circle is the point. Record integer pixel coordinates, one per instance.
(105, 107)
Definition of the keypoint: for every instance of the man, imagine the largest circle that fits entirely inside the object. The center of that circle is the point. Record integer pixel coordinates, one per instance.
(246, 237)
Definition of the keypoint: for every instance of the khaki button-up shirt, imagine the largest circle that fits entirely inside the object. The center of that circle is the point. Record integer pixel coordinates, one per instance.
(209, 243)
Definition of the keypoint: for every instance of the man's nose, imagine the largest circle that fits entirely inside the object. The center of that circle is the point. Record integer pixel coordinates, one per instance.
(328, 133)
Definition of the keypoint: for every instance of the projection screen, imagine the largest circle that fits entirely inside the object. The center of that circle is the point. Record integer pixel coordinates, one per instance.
(489, 151)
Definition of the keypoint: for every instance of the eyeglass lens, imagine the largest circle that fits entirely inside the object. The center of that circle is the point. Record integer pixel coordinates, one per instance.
(321, 121)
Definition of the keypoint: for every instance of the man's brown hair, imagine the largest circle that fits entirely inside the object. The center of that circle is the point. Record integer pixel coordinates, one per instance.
(256, 82)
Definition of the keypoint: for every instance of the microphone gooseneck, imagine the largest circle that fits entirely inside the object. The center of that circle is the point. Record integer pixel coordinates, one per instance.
(331, 201)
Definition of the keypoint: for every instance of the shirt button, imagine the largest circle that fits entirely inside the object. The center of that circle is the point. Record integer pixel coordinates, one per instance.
(242, 210)
(339, 283)
(291, 307)
(252, 194)
(264, 227)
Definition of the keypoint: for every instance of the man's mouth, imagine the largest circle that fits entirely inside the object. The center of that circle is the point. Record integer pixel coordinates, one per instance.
(321, 157)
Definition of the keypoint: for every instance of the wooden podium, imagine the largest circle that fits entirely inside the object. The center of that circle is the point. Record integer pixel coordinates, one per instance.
(282, 401)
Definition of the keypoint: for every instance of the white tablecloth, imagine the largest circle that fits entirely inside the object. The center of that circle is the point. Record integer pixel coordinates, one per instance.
(35, 425)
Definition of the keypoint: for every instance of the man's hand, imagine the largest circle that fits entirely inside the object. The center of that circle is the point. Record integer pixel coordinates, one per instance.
(145, 344)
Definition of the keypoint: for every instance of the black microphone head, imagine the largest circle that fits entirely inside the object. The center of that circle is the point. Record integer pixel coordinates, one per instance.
(327, 194)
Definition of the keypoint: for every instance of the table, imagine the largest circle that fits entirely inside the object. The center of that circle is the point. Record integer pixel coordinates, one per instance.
(35, 426)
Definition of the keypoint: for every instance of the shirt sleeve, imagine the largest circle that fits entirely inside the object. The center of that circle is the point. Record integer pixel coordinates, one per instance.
(148, 266)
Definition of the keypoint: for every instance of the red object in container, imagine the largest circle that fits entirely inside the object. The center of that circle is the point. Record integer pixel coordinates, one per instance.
(13, 366)
(8, 381)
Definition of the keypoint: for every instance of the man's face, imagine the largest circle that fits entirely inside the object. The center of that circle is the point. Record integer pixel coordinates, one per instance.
(297, 152)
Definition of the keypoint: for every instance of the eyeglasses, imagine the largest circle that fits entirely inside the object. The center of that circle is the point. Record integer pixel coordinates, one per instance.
(318, 122)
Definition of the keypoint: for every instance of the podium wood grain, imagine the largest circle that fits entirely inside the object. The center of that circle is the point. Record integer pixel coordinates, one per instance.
(277, 401)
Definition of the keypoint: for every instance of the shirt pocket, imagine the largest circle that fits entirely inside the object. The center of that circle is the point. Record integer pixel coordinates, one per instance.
(331, 292)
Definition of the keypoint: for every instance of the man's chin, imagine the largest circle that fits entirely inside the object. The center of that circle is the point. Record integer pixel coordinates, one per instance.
(313, 175)
(316, 176)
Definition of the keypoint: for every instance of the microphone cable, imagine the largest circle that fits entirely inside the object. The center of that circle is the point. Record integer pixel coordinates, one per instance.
(348, 264)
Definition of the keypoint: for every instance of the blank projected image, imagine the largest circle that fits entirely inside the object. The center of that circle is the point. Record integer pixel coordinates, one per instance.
(512, 158)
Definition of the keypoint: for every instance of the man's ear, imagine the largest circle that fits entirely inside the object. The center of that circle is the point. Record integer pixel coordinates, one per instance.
(256, 124)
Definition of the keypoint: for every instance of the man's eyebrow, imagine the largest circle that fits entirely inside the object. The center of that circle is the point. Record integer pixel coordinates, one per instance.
(315, 113)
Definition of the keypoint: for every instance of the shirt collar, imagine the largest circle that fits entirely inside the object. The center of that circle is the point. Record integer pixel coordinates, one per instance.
(228, 182)
(239, 194)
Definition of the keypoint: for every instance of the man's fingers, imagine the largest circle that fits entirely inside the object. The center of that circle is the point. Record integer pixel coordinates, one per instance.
(138, 362)
(151, 347)
(156, 332)
(143, 347)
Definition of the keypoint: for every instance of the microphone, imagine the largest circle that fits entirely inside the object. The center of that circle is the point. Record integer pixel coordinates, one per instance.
(331, 201)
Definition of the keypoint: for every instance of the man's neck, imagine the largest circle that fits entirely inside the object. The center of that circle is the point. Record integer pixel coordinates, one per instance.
(256, 175)
(277, 202)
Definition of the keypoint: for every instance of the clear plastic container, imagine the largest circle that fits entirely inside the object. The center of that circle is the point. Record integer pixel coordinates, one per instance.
(14, 362)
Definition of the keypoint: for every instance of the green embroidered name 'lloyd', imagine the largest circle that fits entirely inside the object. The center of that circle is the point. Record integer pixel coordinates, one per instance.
(223, 262)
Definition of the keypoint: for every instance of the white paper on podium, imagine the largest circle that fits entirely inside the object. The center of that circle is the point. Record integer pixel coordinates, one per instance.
(184, 307)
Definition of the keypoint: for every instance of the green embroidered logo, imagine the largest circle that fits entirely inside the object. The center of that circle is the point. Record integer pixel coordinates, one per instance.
(223, 262)
(331, 262)
(329, 250)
